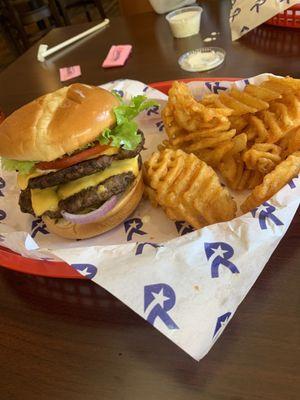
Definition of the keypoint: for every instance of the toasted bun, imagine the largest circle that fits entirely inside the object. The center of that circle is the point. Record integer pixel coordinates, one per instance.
(57, 123)
(117, 215)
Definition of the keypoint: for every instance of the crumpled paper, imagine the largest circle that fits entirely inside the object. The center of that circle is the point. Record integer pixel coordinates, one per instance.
(186, 283)
(246, 15)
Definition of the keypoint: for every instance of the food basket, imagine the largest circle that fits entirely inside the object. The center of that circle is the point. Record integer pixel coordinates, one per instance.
(11, 260)
(290, 18)
(280, 42)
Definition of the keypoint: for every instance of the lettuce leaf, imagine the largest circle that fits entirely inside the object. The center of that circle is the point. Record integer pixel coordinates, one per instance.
(124, 135)
(23, 167)
(125, 132)
(137, 104)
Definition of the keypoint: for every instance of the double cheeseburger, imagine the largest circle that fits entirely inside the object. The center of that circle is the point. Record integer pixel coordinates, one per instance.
(77, 154)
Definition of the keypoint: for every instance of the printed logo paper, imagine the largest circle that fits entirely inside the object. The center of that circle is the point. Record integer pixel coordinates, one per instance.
(186, 283)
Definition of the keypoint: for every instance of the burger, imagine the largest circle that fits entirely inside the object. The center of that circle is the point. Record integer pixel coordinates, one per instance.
(77, 154)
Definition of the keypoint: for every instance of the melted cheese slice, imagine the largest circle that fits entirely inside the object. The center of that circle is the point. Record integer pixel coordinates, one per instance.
(47, 199)
(117, 167)
(44, 200)
(22, 179)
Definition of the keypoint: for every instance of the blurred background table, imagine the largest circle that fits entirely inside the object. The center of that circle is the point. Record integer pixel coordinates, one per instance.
(63, 339)
(154, 57)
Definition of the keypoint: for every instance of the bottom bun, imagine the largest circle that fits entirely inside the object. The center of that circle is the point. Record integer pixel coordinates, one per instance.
(125, 206)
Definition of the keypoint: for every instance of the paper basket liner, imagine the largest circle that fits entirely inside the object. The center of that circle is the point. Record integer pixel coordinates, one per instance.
(186, 283)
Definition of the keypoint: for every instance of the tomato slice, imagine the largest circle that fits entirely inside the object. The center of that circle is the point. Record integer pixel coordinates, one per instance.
(68, 161)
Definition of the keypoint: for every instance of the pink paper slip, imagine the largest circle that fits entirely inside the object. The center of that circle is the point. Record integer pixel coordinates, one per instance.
(117, 56)
(69, 73)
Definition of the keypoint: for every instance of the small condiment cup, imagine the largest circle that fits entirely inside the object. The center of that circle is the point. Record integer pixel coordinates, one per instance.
(202, 59)
(185, 21)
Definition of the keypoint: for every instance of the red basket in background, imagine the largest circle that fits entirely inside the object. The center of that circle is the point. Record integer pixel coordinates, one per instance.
(290, 18)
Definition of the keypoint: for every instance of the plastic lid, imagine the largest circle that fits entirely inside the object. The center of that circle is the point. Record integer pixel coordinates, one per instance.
(202, 59)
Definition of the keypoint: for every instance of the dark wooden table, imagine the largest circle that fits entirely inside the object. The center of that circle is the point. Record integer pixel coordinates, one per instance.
(64, 339)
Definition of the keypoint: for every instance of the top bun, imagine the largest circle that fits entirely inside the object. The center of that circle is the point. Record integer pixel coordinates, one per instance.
(57, 123)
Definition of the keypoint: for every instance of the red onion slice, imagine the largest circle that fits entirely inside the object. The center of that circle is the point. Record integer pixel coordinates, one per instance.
(93, 215)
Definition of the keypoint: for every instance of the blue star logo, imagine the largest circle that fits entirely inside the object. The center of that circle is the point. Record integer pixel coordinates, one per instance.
(220, 253)
(87, 270)
(221, 323)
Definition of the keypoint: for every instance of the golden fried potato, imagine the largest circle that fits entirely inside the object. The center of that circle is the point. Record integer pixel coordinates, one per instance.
(249, 101)
(239, 143)
(242, 134)
(210, 142)
(273, 182)
(172, 128)
(294, 142)
(232, 169)
(188, 189)
(282, 112)
(291, 142)
(187, 121)
(230, 103)
(257, 130)
(292, 102)
(287, 109)
(213, 158)
(237, 176)
(239, 123)
(262, 93)
(186, 112)
(214, 101)
(242, 102)
(151, 195)
(282, 85)
(262, 157)
(271, 126)
(186, 139)
(275, 129)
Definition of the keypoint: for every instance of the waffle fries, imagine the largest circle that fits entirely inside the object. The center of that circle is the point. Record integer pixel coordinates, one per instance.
(262, 157)
(245, 135)
(253, 98)
(187, 189)
(291, 142)
(273, 182)
(250, 137)
(237, 103)
(272, 125)
(237, 176)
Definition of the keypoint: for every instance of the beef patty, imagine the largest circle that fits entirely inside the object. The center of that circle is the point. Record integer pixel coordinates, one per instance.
(87, 198)
(83, 168)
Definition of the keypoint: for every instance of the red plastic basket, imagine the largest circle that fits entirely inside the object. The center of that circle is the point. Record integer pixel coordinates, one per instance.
(290, 18)
(14, 261)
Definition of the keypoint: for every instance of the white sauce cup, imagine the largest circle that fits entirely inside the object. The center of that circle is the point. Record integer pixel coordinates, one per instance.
(185, 21)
